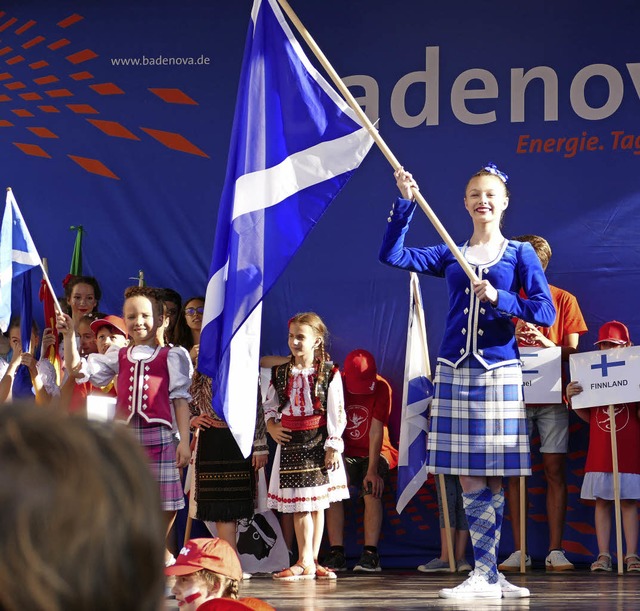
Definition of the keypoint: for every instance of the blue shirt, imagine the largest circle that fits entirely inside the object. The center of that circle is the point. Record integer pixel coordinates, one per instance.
(475, 327)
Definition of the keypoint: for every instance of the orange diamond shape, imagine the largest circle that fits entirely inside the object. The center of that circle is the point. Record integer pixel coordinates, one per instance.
(42, 132)
(82, 109)
(58, 44)
(173, 96)
(107, 89)
(81, 76)
(30, 97)
(94, 166)
(33, 42)
(112, 128)
(32, 149)
(175, 142)
(59, 93)
(81, 56)
(70, 20)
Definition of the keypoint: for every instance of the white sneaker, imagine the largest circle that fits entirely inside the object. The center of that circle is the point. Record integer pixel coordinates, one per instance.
(557, 561)
(511, 591)
(476, 586)
(512, 563)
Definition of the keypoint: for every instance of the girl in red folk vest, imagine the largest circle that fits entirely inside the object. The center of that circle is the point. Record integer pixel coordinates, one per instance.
(598, 470)
(153, 389)
(304, 411)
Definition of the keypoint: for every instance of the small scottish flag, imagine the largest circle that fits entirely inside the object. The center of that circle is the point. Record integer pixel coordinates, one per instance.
(417, 394)
(18, 254)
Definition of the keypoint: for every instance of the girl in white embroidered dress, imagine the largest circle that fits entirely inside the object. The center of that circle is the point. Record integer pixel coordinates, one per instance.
(304, 412)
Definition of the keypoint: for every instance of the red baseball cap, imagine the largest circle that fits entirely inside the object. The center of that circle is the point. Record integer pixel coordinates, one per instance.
(109, 321)
(360, 372)
(211, 554)
(614, 332)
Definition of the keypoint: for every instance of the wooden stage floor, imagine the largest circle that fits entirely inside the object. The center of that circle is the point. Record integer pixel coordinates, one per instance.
(411, 591)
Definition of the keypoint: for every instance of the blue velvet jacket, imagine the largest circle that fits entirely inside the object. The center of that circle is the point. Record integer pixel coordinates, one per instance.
(472, 327)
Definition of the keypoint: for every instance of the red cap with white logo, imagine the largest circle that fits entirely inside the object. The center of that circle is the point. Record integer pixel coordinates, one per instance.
(614, 332)
(360, 372)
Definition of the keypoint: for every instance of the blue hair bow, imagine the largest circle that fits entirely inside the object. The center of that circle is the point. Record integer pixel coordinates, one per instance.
(493, 169)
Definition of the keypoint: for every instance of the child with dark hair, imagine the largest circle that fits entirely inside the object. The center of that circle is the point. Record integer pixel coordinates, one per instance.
(172, 304)
(225, 481)
(82, 295)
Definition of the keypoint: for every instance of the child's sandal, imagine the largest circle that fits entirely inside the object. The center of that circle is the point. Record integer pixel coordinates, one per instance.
(633, 563)
(322, 572)
(602, 563)
(296, 572)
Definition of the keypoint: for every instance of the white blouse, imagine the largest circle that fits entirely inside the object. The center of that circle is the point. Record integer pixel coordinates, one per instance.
(302, 404)
(100, 369)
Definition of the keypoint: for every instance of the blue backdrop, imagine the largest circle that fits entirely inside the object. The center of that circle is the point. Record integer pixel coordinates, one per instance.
(117, 116)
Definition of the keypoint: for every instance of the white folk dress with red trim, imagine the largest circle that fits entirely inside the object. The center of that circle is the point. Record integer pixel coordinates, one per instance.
(317, 498)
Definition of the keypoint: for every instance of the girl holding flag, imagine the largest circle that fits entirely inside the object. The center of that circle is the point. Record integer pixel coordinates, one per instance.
(478, 427)
(152, 395)
(598, 481)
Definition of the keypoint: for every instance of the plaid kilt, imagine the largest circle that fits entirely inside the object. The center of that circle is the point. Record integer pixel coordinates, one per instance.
(160, 445)
(478, 421)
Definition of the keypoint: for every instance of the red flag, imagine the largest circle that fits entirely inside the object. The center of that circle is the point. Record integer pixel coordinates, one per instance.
(49, 307)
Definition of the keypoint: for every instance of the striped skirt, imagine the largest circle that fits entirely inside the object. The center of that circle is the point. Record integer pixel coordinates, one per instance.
(478, 421)
(160, 446)
(225, 479)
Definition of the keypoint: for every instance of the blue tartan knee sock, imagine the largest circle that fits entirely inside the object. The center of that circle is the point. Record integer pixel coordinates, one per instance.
(482, 529)
(497, 500)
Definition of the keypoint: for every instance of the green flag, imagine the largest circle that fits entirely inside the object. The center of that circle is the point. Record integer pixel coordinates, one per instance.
(76, 257)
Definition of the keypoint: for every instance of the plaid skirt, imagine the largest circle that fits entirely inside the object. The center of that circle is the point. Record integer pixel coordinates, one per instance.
(160, 445)
(478, 421)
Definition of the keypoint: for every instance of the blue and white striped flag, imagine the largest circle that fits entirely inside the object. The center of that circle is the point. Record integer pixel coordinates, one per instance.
(17, 254)
(294, 145)
(416, 398)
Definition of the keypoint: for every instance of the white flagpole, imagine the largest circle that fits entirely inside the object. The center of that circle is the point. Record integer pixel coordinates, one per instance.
(386, 151)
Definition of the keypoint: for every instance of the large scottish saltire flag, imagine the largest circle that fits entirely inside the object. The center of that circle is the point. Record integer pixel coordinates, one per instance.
(294, 145)
(18, 254)
(416, 398)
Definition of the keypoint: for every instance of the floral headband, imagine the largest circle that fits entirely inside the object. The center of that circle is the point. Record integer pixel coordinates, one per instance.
(492, 169)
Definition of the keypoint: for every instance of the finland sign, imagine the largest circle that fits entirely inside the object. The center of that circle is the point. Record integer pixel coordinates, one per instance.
(607, 377)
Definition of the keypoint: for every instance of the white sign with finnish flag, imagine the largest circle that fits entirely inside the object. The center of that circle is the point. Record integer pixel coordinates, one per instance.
(607, 377)
(542, 375)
